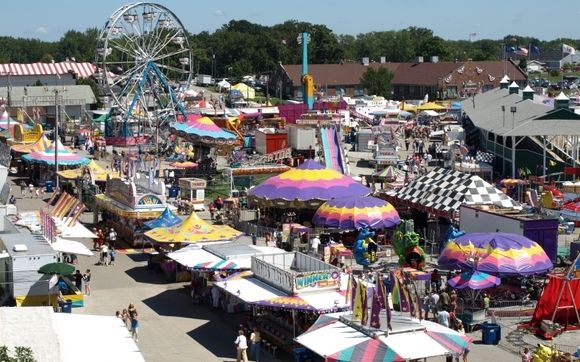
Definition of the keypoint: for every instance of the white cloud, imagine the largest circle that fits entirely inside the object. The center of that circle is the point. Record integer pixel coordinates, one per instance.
(218, 13)
(42, 30)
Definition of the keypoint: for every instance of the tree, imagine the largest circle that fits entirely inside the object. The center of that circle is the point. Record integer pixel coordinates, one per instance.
(378, 81)
(21, 354)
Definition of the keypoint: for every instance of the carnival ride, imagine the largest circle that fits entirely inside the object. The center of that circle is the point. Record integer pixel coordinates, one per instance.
(142, 53)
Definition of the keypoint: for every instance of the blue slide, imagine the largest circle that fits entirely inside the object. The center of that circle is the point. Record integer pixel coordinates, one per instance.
(332, 149)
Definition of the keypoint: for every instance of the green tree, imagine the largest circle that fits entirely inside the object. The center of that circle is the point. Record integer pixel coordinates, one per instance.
(21, 354)
(378, 81)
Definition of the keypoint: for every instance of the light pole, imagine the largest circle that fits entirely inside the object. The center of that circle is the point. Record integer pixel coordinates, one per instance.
(56, 132)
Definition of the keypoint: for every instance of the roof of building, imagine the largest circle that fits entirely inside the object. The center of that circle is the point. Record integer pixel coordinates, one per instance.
(430, 73)
(82, 70)
(35, 244)
(69, 92)
(491, 111)
(335, 74)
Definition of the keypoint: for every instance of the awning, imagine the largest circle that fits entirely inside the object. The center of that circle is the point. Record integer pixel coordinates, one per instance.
(201, 259)
(71, 247)
(119, 209)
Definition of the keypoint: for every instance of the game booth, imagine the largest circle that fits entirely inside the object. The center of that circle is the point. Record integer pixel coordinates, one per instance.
(287, 292)
(126, 205)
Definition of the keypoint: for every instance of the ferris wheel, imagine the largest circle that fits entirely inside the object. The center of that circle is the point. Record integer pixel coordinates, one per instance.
(143, 56)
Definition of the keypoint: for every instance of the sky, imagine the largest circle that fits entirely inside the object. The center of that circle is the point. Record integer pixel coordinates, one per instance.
(450, 19)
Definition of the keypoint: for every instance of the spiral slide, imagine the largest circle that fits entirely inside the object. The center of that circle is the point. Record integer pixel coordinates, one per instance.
(331, 147)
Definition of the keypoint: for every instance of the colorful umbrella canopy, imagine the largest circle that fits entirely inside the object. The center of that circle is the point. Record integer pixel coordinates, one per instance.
(202, 129)
(192, 230)
(390, 174)
(309, 182)
(97, 172)
(370, 350)
(165, 220)
(355, 212)
(57, 268)
(183, 165)
(495, 253)
(40, 145)
(475, 280)
(65, 156)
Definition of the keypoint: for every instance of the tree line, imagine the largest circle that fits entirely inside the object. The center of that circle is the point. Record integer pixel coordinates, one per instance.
(241, 47)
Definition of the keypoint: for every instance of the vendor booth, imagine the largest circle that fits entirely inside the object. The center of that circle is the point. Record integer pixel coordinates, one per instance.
(192, 193)
(127, 204)
(287, 292)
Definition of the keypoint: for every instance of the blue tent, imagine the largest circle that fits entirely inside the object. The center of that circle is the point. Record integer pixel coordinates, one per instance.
(166, 219)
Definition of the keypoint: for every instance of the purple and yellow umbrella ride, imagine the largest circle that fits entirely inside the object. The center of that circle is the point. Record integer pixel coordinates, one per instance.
(495, 253)
(356, 212)
(308, 185)
(202, 129)
(474, 279)
(65, 156)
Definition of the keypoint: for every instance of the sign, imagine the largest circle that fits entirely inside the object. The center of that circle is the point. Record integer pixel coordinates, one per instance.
(317, 280)
(272, 275)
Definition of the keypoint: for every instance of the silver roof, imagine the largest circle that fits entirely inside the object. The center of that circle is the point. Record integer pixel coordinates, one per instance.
(485, 111)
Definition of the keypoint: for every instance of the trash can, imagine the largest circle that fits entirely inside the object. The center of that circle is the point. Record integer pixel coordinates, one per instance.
(490, 333)
(300, 354)
(66, 307)
(49, 186)
(173, 191)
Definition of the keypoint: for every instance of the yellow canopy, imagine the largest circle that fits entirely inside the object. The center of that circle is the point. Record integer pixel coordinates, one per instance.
(40, 145)
(99, 173)
(430, 106)
(192, 230)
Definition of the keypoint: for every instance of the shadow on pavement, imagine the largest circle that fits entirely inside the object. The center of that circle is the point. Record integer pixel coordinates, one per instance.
(141, 274)
(215, 339)
(138, 257)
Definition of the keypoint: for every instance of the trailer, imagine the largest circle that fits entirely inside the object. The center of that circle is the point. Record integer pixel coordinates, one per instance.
(539, 228)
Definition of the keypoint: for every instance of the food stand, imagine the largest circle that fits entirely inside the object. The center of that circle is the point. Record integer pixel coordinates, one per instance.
(127, 204)
(192, 192)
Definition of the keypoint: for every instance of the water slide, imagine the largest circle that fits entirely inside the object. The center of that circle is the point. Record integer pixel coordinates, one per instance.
(332, 149)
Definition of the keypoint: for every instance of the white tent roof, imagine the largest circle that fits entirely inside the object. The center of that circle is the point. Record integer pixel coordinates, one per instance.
(407, 334)
(190, 258)
(71, 247)
(250, 289)
(67, 337)
(224, 84)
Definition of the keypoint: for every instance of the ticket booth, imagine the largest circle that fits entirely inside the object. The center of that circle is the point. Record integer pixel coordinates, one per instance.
(192, 190)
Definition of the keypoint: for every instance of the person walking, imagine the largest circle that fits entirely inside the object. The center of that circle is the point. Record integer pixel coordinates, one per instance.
(135, 326)
(23, 188)
(255, 346)
(254, 239)
(112, 255)
(78, 280)
(242, 346)
(87, 279)
(112, 238)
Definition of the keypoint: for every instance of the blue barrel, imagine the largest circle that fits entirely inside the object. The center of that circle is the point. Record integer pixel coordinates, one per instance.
(173, 191)
(490, 333)
(66, 307)
(574, 250)
(49, 186)
(300, 354)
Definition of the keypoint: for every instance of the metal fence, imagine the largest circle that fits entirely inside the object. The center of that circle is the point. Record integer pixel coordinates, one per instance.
(258, 230)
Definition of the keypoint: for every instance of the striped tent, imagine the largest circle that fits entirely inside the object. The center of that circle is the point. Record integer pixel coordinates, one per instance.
(65, 155)
(371, 350)
(41, 145)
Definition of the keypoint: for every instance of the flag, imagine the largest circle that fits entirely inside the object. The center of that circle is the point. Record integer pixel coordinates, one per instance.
(357, 308)
(353, 286)
(510, 49)
(348, 295)
(471, 35)
(522, 51)
(383, 297)
(568, 49)
(364, 304)
(535, 49)
(376, 308)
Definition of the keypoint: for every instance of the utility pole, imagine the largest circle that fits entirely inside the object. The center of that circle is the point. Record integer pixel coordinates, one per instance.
(56, 132)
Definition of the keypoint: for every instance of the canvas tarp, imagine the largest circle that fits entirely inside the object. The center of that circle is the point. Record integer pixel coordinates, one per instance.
(566, 313)
(246, 91)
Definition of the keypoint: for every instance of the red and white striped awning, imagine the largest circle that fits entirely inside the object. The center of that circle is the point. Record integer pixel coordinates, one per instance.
(82, 70)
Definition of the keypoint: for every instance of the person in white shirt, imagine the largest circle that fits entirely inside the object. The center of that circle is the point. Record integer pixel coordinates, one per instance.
(314, 244)
(242, 346)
